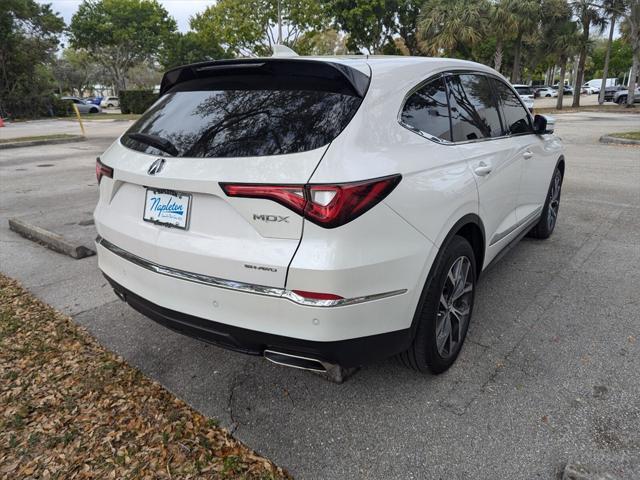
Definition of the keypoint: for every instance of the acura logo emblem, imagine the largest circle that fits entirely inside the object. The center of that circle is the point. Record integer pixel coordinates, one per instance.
(156, 167)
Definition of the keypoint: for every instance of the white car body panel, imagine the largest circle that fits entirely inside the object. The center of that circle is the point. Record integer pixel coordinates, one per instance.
(256, 312)
(388, 250)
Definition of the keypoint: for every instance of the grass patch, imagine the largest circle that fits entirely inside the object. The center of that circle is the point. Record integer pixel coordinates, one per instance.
(611, 108)
(72, 409)
(626, 135)
(55, 136)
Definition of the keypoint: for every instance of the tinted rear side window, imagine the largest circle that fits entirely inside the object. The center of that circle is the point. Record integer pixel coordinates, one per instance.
(474, 109)
(242, 123)
(427, 110)
(515, 115)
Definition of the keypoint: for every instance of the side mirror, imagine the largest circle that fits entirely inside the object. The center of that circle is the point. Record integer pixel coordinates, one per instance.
(543, 124)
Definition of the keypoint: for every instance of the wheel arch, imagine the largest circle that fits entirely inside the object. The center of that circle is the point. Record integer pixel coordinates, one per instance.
(560, 164)
(471, 228)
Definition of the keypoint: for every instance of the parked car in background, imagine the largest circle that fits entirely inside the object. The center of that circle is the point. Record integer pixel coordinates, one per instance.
(283, 214)
(546, 92)
(526, 95)
(83, 105)
(609, 92)
(620, 97)
(94, 100)
(567, 90)
(589, 90)
(110, 102)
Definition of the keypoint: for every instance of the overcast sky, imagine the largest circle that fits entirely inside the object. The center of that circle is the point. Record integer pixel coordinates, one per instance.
(181, 10)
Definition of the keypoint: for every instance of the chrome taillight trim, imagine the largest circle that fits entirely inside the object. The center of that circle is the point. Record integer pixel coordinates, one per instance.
(239, 286)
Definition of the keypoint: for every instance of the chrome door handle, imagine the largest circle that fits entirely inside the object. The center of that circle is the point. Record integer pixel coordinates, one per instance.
(527, 155)
(482, 169)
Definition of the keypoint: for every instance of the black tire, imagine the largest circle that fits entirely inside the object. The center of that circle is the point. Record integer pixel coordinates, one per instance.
(549, 217)
(424, 354)
(93, 110)
(622, 99)
(110, 105)
(547, 95)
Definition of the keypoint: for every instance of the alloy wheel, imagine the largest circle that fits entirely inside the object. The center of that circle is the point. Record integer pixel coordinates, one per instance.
(454, 308)
(554, 202)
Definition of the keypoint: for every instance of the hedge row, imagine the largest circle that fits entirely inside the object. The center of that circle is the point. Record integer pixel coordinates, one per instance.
(61, 108)
(136, 101)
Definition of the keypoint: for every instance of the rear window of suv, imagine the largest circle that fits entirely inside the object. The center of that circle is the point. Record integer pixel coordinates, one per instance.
(244, 122)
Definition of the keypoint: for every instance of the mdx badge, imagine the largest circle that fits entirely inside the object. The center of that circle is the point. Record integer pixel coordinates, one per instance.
(271, 218)
(156, 167)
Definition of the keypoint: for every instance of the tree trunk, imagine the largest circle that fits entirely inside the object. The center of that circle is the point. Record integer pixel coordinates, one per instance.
(634, 27)
(515, 75)
(635, 66)
(605, 70)
(563, 68)
(586, 23)
(497, 56)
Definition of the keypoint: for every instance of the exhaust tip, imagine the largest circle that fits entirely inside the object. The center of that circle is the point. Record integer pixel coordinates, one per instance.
(294, 361)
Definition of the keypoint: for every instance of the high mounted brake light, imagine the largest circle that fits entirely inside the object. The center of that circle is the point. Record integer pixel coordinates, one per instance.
(102, 170)
(328, 206)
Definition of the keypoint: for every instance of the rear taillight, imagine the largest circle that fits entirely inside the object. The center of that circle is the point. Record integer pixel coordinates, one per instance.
(328, 206)
(102, 170)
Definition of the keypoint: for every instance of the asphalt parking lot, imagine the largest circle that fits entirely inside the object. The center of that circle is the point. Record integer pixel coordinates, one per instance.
(550, 372)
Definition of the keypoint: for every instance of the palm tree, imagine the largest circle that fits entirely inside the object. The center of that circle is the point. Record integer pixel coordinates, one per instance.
(588, 14)
(452, 26)
(631, 30)
(504, 23)
(527, 15)
(611, 8)
(559, 37)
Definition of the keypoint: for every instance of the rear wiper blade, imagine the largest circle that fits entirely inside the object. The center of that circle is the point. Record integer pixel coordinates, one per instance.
(154, 141)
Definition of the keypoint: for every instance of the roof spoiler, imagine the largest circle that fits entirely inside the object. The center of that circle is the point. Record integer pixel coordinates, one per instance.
(326, 75)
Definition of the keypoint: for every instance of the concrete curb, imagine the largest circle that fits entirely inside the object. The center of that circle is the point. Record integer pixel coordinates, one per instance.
(49, 239)
(618, 140)
(34, 143)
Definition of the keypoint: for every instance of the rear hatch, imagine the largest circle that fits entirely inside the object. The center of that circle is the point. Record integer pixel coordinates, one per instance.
(261, 121)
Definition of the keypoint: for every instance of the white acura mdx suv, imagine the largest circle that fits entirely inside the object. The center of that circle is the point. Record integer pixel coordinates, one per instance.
(324, 212)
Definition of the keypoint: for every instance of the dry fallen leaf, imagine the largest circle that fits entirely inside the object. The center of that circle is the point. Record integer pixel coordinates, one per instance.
(73, 410)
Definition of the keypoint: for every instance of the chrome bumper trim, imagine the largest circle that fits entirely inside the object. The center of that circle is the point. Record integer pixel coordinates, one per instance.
(239, 286)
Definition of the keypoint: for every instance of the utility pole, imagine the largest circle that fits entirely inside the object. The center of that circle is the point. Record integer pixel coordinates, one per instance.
(279, 24)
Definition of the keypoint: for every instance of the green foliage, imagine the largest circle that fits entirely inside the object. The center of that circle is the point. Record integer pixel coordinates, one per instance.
(408, 13)
(121, 33)
(453, 27)
(136, 101)
(619, 61)
(144, 76)
(28, 39)
(61, 108)
(75, 72)
(249, 27)
(190, 47)
(370, 24)
(327, 42)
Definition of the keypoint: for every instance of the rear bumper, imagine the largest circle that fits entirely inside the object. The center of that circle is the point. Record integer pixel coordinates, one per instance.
(347, 353)
(252, 322)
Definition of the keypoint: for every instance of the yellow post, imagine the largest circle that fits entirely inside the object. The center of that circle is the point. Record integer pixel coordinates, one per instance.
(75, 107)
